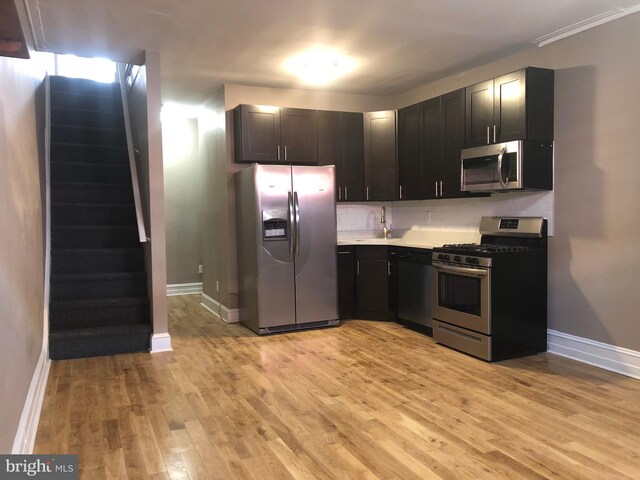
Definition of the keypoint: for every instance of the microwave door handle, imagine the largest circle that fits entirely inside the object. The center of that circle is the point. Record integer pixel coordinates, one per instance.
(499, 167)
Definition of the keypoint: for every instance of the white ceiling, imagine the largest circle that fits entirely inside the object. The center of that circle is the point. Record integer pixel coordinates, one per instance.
(400, 44)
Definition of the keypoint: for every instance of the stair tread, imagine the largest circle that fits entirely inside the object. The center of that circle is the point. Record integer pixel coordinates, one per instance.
(97, 303)
(101, 184)
(83, 127)
(92, 251)
(96, 227)
(62, 277)
(103, 331)
(92, 145)
(62, 163)
(91, 205)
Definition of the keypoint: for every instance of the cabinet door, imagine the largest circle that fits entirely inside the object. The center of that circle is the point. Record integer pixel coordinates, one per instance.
(509, 106)
(346, 282)
(380, 155)
(299, 137)
(329, 145)
(453, 136)
(352, 161)
(372, 289)
(257, 134)
(479, 114)
(431, 146)
(409, 153)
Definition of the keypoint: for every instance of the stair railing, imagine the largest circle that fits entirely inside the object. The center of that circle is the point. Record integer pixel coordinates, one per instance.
(125, 76)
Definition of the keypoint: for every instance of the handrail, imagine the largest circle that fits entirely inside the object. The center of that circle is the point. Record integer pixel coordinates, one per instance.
(122, 78)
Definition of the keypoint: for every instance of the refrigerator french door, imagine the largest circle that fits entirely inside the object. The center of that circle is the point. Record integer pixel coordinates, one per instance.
(286, 230)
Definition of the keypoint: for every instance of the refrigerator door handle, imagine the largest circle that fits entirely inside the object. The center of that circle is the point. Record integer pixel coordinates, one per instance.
(291, 225)
(296, 208)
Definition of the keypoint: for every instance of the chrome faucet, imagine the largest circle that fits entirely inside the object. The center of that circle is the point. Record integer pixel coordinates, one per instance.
(386, 232)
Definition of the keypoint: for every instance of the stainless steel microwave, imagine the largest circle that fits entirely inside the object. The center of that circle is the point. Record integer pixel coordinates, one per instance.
(517, 165)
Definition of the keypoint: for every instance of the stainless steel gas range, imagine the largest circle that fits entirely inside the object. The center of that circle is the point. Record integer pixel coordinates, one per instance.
(490, 299)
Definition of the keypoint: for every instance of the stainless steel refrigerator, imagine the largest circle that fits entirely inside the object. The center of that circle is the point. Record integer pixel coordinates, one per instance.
(286, 230)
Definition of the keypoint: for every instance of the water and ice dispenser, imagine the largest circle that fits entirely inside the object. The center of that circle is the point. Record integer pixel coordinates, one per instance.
(274, 225)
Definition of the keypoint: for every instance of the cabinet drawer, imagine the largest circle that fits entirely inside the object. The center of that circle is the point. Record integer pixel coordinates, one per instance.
(372, 252)
(461, 339)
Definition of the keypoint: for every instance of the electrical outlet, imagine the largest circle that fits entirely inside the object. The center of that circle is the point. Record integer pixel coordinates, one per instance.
(199, 268)
(339, 219)
(217, 286)
(427, 216)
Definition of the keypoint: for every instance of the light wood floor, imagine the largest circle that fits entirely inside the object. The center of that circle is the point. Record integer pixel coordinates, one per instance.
(363, 401)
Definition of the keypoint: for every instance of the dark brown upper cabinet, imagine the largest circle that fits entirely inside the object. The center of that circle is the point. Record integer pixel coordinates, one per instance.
(442, 137)
(340, 143)
(409, 168)
(266, 134)
(380, 155)
(516, 106)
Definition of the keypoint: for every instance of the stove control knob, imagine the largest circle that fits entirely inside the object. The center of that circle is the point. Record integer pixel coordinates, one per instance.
(443, 257)
(472, 260)
(456, 258)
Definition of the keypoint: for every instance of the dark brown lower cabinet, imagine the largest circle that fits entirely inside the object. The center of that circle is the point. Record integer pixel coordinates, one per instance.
(372, 283)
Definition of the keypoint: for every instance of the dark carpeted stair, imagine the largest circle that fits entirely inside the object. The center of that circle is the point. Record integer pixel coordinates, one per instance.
(99, 301)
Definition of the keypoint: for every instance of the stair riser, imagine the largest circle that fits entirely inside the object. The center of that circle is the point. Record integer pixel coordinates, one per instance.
(74, 172)
(120, 194)
(86, 289)
(98, 237)
(67, 348)
(84, 86)
(86, 102)
(87, 136)
(101, 263)
(68, 319)
(86, 118)
(92, 215)
(89, 154)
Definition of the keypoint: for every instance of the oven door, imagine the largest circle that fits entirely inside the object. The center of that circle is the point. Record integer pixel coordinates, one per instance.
(462, 296)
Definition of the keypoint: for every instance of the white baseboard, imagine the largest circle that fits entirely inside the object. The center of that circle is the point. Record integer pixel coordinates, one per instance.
(28, 427)
(227, 315)
(609, 357)
(161, 342)
(184, 289)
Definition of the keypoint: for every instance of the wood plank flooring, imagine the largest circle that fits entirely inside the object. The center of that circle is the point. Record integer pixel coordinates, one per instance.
(367, 400)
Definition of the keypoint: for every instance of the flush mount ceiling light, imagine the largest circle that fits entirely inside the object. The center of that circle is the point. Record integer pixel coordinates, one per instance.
(319, 66)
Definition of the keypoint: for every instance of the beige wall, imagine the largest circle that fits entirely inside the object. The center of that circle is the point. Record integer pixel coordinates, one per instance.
(21, 238)
(183, 194)
(144, 108)
(594, 258)
(218, 234)
(319, 99)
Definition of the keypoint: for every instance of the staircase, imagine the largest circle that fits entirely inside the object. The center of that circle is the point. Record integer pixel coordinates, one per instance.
(98, 298)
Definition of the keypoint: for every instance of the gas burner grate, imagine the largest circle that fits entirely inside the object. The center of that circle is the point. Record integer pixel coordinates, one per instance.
(485, 248)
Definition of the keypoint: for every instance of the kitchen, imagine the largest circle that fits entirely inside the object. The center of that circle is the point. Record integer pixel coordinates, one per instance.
(592, 230)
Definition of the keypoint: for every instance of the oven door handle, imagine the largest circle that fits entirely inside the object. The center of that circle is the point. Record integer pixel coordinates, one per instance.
(470, 272)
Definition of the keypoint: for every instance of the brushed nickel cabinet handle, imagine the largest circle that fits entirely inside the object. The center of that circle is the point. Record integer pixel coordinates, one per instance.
(367, 193)
(488, 142)
(440, 187)
(358, 267)
(346, 196)
(285, 153)
(494, 134)
(278, 152)
(339, 193)
(400, 192)
(436, 188)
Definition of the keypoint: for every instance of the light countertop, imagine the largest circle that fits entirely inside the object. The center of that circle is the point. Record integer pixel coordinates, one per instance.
(409, 238)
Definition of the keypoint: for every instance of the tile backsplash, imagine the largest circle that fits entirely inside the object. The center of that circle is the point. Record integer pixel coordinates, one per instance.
(452, 214)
